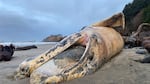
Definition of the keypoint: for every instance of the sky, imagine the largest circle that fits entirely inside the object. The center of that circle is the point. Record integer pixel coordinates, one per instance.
(33, 20)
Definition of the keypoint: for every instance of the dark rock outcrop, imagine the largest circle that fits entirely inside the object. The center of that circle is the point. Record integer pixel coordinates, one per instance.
(146, 44)
(53, 38)
(6, 52)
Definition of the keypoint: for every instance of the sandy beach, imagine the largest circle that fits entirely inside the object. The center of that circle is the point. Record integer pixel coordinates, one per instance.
(120, 70)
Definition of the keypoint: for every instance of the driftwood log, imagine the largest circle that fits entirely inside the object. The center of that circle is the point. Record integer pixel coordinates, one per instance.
(26, 47)
(138, 37)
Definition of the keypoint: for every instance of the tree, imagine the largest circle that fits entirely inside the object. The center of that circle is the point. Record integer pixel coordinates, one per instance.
(132, 9)
(146, 15)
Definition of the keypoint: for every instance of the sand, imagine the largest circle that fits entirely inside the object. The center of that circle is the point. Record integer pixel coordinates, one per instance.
(120, 70)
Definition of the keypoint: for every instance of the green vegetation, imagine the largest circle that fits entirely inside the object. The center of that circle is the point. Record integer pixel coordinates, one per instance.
(131, 10)
(146, 14)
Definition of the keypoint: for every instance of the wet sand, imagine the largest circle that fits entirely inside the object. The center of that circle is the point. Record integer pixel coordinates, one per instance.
(120, 70)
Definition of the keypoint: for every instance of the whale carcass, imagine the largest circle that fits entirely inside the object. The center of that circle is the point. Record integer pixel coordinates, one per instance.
(77, 55)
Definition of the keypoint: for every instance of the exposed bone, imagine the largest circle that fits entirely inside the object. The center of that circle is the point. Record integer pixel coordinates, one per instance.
(27, 67)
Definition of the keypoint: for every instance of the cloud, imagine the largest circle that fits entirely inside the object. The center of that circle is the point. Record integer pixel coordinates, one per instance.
(35, 19)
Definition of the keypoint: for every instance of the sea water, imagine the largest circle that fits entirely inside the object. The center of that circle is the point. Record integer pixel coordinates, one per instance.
(26, 43)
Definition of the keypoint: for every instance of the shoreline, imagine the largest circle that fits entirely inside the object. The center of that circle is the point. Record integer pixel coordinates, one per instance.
(120, 70)
(8, 67)
(27, 43)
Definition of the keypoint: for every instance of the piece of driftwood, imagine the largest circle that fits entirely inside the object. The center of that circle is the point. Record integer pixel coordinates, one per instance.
(138, 37)
(26, 47)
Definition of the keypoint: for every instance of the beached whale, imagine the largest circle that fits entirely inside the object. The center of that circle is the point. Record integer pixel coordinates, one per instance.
(76, 55)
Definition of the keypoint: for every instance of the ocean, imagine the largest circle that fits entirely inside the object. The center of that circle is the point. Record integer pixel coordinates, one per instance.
(26, 43)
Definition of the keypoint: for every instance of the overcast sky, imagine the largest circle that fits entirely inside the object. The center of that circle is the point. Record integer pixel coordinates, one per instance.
(33, 20)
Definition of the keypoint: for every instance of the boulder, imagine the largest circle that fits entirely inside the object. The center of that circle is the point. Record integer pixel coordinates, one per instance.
(146, 44)
(6, 52)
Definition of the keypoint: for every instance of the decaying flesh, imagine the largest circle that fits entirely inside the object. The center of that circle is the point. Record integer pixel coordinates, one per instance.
(77, 55)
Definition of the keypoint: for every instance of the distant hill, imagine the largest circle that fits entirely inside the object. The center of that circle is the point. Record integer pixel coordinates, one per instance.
(53, 38)
(136, 13)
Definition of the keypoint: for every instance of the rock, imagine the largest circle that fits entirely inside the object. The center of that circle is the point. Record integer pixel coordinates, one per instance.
(146, 44)
(145, 60)
(53, 38)
(141, 51)
(6, 52)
